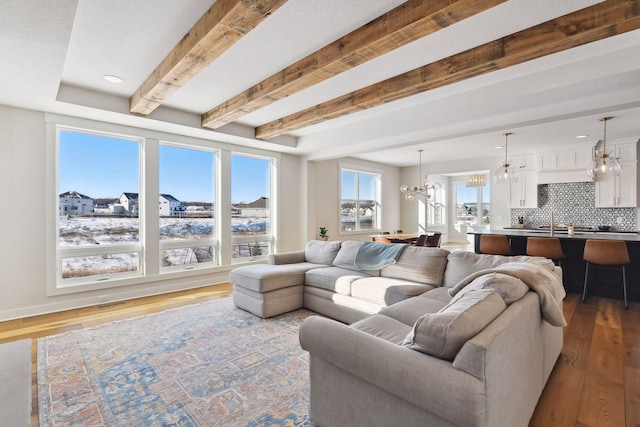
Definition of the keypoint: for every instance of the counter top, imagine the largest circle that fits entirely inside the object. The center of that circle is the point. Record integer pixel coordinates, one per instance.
(579, 235)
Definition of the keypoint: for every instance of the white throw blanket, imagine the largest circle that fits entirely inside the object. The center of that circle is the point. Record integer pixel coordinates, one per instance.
(539, 279)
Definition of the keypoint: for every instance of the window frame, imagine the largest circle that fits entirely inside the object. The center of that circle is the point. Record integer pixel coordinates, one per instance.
(358, 169)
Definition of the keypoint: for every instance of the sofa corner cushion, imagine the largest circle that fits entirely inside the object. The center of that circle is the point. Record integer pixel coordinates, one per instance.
(321, 252)
(510, 288)
(419, 264)
(443, 334)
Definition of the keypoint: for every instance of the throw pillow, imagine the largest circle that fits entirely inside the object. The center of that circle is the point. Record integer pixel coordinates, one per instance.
(510, 288)
(320, 252)
(346, 257)
(443, 334)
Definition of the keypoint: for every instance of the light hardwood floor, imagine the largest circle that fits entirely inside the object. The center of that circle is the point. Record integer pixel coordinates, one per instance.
(596, 381)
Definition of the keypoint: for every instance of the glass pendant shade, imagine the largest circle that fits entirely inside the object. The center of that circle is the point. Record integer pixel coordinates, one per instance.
(505, 173)
(603, 165)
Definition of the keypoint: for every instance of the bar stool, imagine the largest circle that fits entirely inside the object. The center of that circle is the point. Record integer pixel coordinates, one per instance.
(606, 252)
(495, 245)
(548, 247)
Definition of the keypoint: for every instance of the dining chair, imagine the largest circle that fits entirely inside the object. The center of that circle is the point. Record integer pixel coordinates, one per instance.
(433, 241)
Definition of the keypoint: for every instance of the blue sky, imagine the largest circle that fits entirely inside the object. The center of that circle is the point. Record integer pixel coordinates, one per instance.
(470, 194)
(350, 188)
(99, 166)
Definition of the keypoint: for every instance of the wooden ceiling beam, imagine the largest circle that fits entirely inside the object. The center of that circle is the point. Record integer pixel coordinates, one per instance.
(588, 25)
(408, 22)
(218, 29)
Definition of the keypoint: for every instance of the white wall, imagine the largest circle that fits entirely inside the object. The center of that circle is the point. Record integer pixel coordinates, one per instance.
(23, 259)
(323, 202)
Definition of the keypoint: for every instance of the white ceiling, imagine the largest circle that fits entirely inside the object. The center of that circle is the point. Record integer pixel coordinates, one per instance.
(56, 52)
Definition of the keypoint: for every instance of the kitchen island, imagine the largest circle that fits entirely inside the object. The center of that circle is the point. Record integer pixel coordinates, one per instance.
(606, 282)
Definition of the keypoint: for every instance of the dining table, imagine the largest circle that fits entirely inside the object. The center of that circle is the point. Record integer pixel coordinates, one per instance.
(398, 237)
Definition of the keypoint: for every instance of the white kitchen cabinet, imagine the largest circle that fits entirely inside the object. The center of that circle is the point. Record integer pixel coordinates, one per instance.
(524, 162)
(524, 192)
(569, 159)
(620, 191)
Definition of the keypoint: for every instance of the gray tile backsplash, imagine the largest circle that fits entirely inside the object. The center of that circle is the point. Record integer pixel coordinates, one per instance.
(573, 203)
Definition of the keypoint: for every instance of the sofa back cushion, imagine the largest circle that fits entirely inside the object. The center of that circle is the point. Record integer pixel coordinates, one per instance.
(346, 257)
(443, 334)
(419, 264)
(460, 264)
(319, 252)
(510, 288)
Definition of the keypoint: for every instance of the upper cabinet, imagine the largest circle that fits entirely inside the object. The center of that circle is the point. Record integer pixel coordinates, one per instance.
(568, 159)
(524, 192)
(525, 162)
(620, 191)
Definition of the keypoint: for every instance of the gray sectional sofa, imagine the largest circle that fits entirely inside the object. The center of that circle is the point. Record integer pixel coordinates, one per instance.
(435, 338)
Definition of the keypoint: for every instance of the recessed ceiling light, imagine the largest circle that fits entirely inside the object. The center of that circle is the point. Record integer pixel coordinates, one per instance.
(113, 79)
(582, 136)
(499, 147)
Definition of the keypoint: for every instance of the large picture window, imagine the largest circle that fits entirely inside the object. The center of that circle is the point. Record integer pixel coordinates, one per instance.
(131, 207)
(98, 209)
(251, 181)
(359, 200)
(187, 192)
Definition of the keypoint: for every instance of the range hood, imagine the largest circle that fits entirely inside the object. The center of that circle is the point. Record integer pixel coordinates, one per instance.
(559, 177)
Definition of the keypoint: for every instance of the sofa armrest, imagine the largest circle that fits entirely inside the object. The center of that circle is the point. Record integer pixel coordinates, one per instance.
(427, 382)
(286, 258)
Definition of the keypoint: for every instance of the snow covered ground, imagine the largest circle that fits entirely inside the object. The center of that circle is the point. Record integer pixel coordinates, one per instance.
(92, 231)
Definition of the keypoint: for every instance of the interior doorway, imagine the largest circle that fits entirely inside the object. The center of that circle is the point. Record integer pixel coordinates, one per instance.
(472, 208)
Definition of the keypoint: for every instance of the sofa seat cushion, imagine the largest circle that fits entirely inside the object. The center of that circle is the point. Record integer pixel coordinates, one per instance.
(333, 279)
(443, 334)
(386, 290)
(320, 252)
(346, 257)
(384, 327)
(265, 278)
(419, 264)
(408, 311)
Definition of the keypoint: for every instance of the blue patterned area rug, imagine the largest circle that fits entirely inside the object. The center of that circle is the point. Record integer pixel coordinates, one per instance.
(207, 364)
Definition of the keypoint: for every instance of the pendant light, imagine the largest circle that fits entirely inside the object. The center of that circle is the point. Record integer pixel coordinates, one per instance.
(505, 173)
(603, 164)
(411, 191)
(476, 180)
